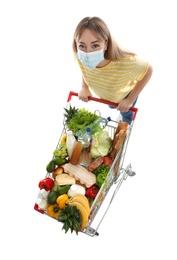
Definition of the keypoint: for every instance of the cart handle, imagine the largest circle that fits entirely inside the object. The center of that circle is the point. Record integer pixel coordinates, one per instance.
(133, 109)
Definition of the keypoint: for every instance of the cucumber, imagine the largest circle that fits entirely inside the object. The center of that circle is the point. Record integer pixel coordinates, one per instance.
(58, 160)
(52, 196)
(50, 166)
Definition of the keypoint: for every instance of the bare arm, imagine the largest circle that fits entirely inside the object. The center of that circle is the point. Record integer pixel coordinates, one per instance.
(127, 103)
(85, 92)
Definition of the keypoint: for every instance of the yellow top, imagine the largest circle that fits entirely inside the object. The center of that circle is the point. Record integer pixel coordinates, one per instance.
(116, 80)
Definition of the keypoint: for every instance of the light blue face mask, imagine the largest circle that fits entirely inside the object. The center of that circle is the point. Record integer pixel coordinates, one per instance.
(90, 59)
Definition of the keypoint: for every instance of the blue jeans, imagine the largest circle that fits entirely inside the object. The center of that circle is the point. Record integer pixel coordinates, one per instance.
(126, 116)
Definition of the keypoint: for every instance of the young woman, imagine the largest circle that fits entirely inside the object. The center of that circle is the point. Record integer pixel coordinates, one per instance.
(109, 71)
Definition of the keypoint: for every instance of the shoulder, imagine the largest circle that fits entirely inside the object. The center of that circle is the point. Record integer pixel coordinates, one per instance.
(132, 58)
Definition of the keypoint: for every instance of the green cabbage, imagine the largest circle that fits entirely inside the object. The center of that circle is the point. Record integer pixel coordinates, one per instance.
(101, 143)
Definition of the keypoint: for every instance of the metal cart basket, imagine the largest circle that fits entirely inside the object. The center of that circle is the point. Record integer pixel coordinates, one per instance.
(116, 175)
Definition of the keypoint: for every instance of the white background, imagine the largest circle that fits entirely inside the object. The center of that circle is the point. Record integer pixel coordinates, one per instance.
(37, 71)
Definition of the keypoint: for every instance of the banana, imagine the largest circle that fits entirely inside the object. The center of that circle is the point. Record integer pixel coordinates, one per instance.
(84, 214)
(82, 200)
(81, 196)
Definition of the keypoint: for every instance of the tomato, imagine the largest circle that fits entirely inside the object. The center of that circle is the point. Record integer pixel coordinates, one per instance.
(107, 161)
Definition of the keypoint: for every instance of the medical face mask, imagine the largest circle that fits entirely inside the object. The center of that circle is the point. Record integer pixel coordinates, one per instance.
(90, 59)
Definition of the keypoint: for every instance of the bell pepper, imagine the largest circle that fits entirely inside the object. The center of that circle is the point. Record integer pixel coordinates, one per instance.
(46, 184)
(62, 189)
(61, 201)
(63, 139)
(53, 210)
(92, 191)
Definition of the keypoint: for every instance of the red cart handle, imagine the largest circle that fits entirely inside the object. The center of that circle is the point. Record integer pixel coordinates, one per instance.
(133, 109)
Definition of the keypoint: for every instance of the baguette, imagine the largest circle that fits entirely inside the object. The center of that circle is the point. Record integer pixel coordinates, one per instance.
(119, 137)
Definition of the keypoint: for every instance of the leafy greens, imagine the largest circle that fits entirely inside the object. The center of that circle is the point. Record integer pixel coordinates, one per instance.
(81, 119)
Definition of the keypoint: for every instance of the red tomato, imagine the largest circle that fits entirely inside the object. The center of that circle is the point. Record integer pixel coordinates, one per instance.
(107, 161)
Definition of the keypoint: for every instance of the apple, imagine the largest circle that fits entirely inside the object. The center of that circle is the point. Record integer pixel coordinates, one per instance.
(57, 171)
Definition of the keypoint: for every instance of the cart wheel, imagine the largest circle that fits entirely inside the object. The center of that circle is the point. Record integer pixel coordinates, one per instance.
(129, 171)
(91, 232)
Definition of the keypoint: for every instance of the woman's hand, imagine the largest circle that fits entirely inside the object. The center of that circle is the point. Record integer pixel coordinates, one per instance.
(84, 94)
(127, 103)
(124, 105)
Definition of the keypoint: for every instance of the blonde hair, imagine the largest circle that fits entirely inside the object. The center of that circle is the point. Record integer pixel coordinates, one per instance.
(99, 28)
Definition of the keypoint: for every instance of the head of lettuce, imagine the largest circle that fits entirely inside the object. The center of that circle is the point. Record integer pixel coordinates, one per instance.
(101, 143)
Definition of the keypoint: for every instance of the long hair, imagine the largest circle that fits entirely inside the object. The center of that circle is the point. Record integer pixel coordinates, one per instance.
(99, 28)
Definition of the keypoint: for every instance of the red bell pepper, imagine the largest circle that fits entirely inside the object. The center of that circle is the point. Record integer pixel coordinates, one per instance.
(92, 191)
(46, 184)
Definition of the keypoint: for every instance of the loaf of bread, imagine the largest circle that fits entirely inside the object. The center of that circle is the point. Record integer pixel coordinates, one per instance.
(64, 179)
(118, 140)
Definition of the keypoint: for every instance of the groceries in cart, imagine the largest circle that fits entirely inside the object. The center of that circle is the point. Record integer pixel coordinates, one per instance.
(86, 158)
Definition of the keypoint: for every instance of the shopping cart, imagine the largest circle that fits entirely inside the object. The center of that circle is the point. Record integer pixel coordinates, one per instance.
(117, 173)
